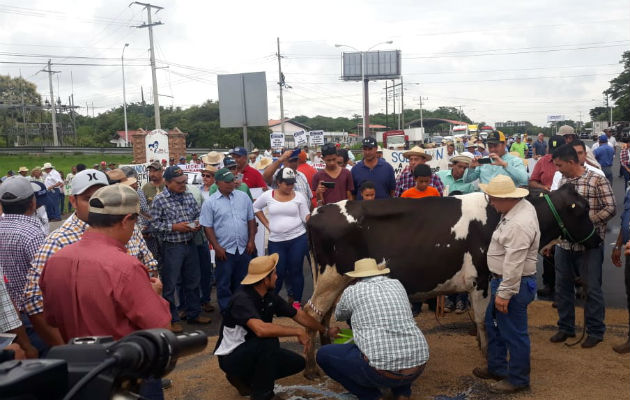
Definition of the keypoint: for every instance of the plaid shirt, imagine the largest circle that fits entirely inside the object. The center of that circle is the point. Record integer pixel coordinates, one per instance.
(170, 208)
(624, 159)
(68, 233)
(382, 323)
(20, 238)
(9, 319)
(406, 181)
(601, 199)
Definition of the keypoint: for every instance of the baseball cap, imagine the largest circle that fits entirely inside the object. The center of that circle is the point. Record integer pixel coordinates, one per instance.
(239, 151)
(603, 138)
(369, 142)
(172, 172)
(496, 137)
(224, 175)
(115, 200)
(286, 175)
(117, 175)
(86, 179)
(155, 165)
(555, 141)
(566, 130)
(303, 156)
(229, 162)
(14, 189)
(40, 193)
(295, 154)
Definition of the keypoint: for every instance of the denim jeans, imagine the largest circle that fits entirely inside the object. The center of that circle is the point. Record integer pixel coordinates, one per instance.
(229, 274)
(151, 389)
(507, 333)
(589, 264)
(259, 362)
(52, 207)
(345, 364)
(290, 264)
(627, 280)
(181, 260)
(608, 173)
(207, 274)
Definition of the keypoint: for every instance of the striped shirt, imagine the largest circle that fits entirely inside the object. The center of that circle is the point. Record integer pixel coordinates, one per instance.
(382, 323)
(601, 199)
(406, 181)
(70, 232)
(20, 238)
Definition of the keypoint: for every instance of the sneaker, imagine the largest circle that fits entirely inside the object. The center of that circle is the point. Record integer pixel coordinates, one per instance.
(166, 383)
(460, 308)
(296, 305)
(505, 387)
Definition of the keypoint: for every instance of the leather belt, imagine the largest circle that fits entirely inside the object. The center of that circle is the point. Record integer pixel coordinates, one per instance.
(406, 373)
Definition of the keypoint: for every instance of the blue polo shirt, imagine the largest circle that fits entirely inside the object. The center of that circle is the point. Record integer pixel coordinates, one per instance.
(382, 175)
(604, 155)
(541, 147)
(228, 216)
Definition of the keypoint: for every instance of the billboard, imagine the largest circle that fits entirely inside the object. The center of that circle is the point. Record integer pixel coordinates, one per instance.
(378, 65)
(555, 118)
(243, 100)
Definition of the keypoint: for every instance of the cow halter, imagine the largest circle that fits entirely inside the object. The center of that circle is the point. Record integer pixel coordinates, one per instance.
(563, 229)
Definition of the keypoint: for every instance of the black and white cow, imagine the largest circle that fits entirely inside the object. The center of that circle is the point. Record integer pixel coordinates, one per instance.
(432, 245)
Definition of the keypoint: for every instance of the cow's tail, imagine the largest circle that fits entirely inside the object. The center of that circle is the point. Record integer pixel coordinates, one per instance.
(314, 269)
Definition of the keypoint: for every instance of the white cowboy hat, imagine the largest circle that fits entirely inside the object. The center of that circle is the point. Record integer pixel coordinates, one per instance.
(367, 267)
(213, 158)
(417, 151)
(47, 165)
(502, 186)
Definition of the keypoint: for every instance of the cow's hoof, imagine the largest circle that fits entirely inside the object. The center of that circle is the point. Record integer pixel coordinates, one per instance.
(312, 374)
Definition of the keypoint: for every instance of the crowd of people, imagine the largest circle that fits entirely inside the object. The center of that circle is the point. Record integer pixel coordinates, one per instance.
(133, 256)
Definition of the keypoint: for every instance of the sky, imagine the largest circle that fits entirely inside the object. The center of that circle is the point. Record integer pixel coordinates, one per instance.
(498, 60)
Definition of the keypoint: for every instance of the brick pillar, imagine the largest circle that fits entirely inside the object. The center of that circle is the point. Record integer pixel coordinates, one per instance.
(139, 146)
(176, 144)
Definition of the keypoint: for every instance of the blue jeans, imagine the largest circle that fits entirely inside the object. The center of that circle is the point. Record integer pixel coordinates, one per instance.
(151, 389)
(206, 271)
(229, 274)
(181, 260)
(345, 364)
(290, 264)
(507, 333)
(52, 207)
(608, 173)
(589, 263)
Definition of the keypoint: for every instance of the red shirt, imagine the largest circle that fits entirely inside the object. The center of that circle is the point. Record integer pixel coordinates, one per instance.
(94, 288)
(252, 178)
(416, 194)
(343, 185)
(544, 170)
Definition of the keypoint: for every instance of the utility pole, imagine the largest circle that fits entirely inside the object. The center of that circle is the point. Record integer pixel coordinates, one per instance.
(281, 84)
(52, 103)
(421, 120)
(386, 104)
(402, 104)
(122, 62)
(150, 24)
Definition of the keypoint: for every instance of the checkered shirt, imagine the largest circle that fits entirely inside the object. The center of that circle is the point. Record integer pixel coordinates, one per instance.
(624, 159)
(9, 318)
(144, 209)
(601, 199)
(68, 233)
(382, 323)
(406, 181)
(170, 208)
(20, 238)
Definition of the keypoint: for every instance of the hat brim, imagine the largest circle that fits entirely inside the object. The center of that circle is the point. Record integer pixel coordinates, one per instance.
(250, 279)
(365, 274)
(426, 156)
(518, 193)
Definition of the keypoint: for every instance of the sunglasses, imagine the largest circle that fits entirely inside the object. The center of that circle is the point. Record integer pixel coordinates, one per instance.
(207, 175)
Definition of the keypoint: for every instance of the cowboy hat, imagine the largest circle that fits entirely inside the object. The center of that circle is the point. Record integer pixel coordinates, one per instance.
(212, 157)
(209, 168)
(23, 169)
(259, 268)
(417, 151)
(367, 267)
(47, 165)
(502, 186)
(263, 163)
(466, 158)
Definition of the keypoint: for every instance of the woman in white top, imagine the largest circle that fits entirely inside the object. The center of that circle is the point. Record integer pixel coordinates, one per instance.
(287, 213)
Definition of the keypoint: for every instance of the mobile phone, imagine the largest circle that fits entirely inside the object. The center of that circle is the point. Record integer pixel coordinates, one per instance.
(192, 225)
(329, 185)
(485, 160)
(6, 339)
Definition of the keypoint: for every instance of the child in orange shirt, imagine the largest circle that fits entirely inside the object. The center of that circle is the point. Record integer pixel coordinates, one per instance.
(422, 175)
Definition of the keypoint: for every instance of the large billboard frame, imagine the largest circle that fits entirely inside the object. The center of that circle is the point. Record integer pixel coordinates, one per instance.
(379, 64)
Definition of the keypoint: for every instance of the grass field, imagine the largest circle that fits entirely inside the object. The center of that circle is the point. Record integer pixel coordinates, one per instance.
(62, 162)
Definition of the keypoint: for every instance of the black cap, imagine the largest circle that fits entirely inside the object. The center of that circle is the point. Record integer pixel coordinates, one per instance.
(369, 142)
(328, 149)
(172, 172)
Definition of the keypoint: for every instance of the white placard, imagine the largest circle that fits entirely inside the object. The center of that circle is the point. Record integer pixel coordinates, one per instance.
(300, 138)
(156, 143)
(316, 138)
(277, 140)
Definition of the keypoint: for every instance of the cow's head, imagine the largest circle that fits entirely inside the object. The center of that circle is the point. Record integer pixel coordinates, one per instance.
(573, 212)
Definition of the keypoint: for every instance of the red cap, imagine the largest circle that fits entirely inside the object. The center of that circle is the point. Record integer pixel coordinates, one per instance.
(302, 156)
(103, 163)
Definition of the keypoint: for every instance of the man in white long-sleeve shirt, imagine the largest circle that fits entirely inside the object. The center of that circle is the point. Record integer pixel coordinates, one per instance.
(512, 258)
(53, 183)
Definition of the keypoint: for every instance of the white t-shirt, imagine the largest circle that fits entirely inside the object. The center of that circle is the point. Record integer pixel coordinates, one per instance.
(558, 175)
(286, 218)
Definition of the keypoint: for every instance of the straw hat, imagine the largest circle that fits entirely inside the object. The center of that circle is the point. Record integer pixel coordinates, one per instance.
(502, 186)
(117, 175)
(417, 151)
(209, 168)
(263, 163)
(367, 267)
(212, 158)
(260, 267)
(466, 158)
(47, 165)
(23, 169)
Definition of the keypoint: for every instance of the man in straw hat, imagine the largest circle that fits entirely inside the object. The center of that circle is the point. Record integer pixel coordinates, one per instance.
(389, 350)
(248, 348)
(453, 178)
(502, 163)
(405, 180)
(512, 256)
(23, 171)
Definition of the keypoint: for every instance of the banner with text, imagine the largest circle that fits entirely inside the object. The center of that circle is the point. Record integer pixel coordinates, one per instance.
(396, 159)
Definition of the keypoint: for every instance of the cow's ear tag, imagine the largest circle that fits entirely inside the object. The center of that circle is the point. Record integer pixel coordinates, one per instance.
(573, 205)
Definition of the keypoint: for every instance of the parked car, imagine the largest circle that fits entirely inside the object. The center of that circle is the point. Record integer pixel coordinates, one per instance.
(584, 135)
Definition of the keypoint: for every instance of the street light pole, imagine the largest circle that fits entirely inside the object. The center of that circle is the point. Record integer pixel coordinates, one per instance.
(122, 62)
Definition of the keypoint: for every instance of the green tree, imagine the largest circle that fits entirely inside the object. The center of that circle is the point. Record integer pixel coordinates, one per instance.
(619, 90)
